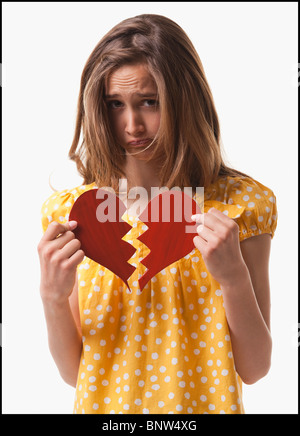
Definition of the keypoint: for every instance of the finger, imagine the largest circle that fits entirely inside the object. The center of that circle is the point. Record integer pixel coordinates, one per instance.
(70, 248)
(214, 222)
(75, 259)
(54, 229)
(210, 221)
(200, 243)
(206, 233)
(225, 223)
(63, 239)
(197, 217)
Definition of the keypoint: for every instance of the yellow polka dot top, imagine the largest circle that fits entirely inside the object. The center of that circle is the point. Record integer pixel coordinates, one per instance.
(167, 349)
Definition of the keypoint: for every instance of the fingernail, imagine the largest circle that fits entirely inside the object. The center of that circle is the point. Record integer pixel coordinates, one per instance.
(195, 217)
(72, 224)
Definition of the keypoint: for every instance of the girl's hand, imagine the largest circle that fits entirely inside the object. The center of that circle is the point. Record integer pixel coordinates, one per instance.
(59, 254)
(218, 242)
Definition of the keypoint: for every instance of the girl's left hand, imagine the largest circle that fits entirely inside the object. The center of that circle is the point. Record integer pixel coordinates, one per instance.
(218, 242)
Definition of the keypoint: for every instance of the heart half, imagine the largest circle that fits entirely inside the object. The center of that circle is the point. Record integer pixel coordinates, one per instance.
(100, 230)
(170, 231)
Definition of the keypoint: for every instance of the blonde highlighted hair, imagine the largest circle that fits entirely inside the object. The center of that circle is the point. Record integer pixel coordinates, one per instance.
(189, 132)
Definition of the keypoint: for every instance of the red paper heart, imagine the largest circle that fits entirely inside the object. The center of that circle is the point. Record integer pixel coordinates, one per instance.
(170, 234)
(101, 241)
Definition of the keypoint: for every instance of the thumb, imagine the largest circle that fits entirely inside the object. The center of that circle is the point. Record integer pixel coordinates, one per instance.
(72, 225)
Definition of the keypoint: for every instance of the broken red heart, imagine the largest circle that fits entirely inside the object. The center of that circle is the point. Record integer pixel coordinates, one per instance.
(169, 235)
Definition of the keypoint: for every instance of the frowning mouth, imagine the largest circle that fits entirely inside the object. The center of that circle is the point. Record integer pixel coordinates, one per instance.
(139, 143)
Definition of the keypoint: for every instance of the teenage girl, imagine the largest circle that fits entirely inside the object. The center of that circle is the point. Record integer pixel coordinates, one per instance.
(201, 326)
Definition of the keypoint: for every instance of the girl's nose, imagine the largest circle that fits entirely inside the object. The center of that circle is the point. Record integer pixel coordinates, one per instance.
(134, 123)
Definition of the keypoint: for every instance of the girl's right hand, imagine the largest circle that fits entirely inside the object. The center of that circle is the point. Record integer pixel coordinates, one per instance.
(59, 254)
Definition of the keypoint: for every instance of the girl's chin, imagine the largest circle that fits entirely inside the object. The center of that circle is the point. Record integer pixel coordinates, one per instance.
(138, 152)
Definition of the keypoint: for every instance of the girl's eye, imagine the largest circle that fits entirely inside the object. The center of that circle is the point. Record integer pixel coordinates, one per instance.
(114, 104)
(151, 103)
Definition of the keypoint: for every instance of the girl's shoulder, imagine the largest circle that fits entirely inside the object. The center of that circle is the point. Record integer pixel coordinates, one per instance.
(242, 186)
(58, 205)
(256, 202)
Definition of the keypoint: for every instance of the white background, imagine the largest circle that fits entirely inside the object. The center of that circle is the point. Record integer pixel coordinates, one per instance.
(249, 53)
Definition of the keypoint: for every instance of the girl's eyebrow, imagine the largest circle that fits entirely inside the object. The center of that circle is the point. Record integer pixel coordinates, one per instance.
(147, 95)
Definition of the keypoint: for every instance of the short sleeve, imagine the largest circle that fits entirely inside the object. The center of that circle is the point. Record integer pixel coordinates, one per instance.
(259, 207)
(57, 208)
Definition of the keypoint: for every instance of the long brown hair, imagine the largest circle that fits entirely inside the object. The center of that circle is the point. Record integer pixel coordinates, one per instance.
(189, 132)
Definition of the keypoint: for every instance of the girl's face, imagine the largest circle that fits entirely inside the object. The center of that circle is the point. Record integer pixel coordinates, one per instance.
(133, 107)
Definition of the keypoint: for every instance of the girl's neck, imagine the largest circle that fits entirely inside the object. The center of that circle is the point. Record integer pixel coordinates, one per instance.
(141, 173)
